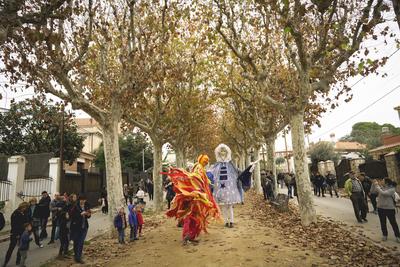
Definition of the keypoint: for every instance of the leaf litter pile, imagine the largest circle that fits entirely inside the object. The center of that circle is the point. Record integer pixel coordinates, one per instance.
(330, 239)
(103, 249)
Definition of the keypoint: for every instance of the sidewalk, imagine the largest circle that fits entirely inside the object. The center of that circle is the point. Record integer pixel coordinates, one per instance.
(98, 225)
(5, 233)
(341, 210)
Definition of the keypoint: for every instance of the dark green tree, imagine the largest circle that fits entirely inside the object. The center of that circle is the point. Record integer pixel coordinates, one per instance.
(131, 148)
(280, 160)
(323, 151)
(369, 133)
(33, 126)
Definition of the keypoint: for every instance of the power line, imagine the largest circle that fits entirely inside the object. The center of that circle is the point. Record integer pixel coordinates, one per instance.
(362, 110)
(373, 103)
(362, 78)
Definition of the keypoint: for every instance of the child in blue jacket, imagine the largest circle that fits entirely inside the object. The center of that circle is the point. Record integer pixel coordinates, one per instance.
(133, 222)
(120, 225)
(24, 243)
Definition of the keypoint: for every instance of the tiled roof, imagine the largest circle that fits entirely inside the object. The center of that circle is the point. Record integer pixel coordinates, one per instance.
(342, 145)
(385, 147)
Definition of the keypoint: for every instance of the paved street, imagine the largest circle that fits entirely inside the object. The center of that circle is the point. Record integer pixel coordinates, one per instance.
(341, 209)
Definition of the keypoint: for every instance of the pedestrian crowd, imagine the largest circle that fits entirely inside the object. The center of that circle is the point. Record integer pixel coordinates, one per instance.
(383, 196)
(359, 187)
(69, 216)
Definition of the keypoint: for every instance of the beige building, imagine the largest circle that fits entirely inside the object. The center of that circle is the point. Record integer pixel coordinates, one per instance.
(91, 131)
(344, 147)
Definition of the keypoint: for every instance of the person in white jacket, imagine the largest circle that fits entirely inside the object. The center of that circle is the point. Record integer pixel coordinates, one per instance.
(386, 189)
(140, 195)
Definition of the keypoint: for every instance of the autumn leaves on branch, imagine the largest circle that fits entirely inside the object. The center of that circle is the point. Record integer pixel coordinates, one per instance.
(194, 73)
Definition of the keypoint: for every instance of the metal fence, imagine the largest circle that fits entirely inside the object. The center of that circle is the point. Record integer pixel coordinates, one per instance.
(374, 169)
(35, 187)
(5, 190)
(3, 167)
(37, 165)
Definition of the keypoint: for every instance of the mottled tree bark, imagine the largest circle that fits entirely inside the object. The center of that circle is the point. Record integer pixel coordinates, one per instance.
(113, 166)
(180, 157)
(256, 173)
(242, 163)
(306, 202)
(271, 165)
(396, 7)
(157, 176)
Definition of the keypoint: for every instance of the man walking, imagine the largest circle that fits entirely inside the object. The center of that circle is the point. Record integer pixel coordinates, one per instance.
(355, 190)
(54, 208)
(332, 183)
(367, 184)
(79, 215)
(319, 182)
(150, 188)
(44, 211)
(18, 218)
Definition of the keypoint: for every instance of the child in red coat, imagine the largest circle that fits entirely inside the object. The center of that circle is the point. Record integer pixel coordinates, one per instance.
(139, 215)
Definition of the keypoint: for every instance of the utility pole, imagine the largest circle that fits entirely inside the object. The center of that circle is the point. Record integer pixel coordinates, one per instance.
(143, 159)
(286, 151)
(263, 155)
(61, 176)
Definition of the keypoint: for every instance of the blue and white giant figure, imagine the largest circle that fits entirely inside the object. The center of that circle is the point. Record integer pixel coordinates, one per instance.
(227, 189)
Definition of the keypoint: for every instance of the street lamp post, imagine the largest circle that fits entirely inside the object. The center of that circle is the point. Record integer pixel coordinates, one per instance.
(398, 110)
(61, 176)
(143, 160)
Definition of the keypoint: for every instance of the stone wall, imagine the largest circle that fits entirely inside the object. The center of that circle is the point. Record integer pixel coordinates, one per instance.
(325, 166)
(354, 163)
(392, 167)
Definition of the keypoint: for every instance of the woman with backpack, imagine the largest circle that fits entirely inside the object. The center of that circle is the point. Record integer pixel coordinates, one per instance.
(386, 204)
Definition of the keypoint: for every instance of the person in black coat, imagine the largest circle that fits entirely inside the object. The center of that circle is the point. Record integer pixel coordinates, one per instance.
(2, 221)
(367, 185)
(62, 222)
(18, 219)
(79, 215)
(319, 183)
(44, 207)
(150, 188)
(34, 219)
(170, 192)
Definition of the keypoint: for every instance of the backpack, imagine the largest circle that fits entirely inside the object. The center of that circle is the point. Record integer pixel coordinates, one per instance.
(2, 221)
(396, 198)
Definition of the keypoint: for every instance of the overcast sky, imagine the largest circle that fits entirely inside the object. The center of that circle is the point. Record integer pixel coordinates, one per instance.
(369, 90)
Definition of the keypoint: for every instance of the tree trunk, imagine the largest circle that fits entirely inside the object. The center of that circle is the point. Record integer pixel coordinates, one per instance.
(180, 158)
(306, 202)
(242, 161)
(257, 174)
(248, 158)
(271, 165)
(157, 176)
(113, 166)
(396, 7)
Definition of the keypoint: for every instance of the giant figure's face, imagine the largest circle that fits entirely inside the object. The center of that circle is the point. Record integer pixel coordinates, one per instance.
(223, 153)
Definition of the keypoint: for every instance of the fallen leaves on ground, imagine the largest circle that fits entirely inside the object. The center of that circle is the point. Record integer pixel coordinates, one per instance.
(103, 249)
(329, 238)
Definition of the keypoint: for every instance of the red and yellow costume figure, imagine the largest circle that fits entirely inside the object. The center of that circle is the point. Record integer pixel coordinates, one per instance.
(194, 203)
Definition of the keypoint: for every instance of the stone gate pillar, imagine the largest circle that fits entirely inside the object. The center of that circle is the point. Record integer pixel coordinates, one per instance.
(16, 175)
(392, 167)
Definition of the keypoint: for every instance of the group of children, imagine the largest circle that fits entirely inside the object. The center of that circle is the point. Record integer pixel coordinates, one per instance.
(135, 220)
